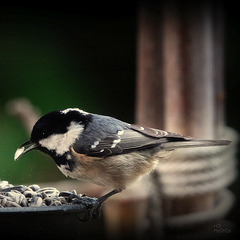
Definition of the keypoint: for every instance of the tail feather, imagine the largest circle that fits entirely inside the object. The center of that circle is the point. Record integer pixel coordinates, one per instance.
(194, 143)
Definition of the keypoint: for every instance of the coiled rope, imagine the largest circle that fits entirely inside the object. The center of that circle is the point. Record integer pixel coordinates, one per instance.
(198, 171)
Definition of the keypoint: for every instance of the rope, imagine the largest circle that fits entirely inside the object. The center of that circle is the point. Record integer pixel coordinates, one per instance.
(224, 201)
(199, 171)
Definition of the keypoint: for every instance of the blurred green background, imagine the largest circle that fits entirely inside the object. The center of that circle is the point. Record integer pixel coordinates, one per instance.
(77, 56)
(59, 58)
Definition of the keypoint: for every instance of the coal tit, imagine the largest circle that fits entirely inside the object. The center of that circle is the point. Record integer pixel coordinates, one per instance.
(102, 149)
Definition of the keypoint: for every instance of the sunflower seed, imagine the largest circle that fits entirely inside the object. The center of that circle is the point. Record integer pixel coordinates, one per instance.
(48, 201)
(65, 194)
(34, 196)
(34, 187)
(11, 204)
(56, 203)
(50, 191)
(3, 201)
(36, 202)
(30, 194)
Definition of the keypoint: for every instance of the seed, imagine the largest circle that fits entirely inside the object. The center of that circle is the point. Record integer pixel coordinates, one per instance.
(65, 194)
(11, 194)
(30, 194)
(43, 195)
(34, 187)
(5, 197)
(36, 202)
(48, 201)
(11, 204)
(5, 184)
(50, 191)
(56, 203)
(62, 200)
(3, 202)
(34, 196)
(24, 203)
(20, 198)
(74, 192)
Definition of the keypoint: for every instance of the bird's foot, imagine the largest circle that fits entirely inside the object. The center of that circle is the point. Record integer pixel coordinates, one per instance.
(92, 205)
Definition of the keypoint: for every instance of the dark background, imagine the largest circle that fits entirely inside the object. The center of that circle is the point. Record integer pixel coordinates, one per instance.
(80, 56)
(59, 57)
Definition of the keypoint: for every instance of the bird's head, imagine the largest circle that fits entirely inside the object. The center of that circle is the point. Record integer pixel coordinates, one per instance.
(55, 132)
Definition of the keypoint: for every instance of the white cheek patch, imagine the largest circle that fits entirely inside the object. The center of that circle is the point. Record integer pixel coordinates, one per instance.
(63, 141)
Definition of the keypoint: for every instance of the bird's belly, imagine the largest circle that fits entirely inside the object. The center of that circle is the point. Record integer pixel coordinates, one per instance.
(116, 171)
(82, 173)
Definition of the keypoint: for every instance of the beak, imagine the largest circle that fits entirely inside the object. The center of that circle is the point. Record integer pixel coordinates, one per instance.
(24, 148)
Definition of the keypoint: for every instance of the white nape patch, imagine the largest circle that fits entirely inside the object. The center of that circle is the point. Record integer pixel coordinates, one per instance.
(63, 141)
(115, 142)
(95, 144)
(120, 132)
(18, 152)
(74, 109)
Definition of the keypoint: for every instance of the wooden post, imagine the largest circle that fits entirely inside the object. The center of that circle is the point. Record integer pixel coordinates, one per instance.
(183, 92)
(149, 86)
(178, 85)
(180, 67)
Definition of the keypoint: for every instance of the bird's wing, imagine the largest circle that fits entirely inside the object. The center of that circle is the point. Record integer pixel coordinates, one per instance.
(128, 139)
(157, 133)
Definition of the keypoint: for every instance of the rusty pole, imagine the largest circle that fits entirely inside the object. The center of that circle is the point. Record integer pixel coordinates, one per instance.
(180, 74)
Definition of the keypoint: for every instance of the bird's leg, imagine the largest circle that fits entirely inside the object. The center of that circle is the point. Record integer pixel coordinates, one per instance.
(106, 196)
(98, 206)
(94, 205)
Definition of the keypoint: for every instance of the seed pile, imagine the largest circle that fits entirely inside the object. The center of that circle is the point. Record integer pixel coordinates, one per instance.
(34, 196)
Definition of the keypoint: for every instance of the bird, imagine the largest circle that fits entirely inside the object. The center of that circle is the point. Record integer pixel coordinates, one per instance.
(102, 149)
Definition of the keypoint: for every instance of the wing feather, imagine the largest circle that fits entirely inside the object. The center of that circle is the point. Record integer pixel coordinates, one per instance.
(157, 133)
(130, 138)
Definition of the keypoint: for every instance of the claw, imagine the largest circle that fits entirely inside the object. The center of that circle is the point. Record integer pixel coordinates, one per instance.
(93, 205)
(97, 207)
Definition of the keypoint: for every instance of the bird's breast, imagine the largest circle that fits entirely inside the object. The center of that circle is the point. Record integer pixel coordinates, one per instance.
(116, 171)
